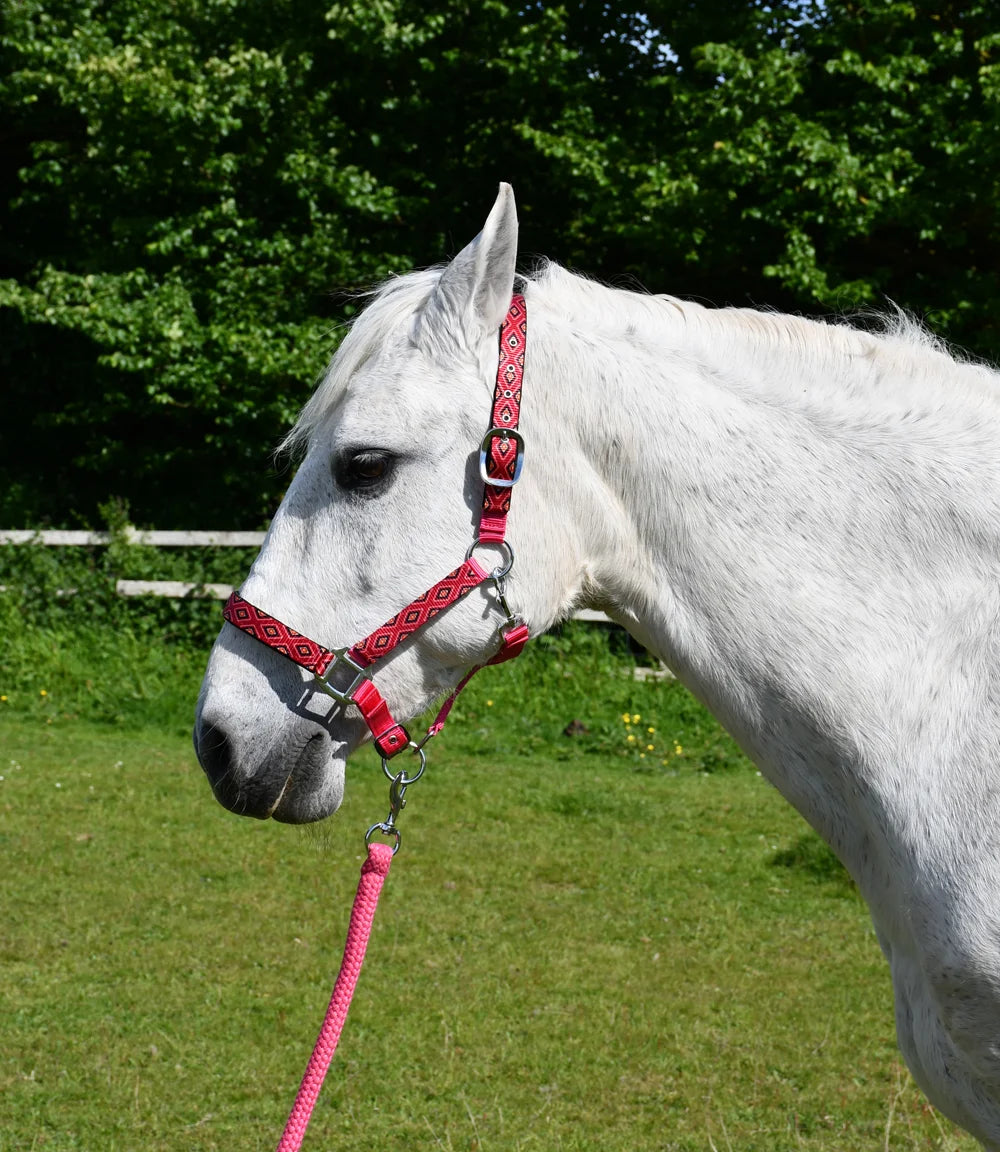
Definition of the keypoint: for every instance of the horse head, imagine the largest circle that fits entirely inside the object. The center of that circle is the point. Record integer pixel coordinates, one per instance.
(386, 500)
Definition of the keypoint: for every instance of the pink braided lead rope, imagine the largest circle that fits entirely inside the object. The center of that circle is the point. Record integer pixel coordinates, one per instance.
(373, 874)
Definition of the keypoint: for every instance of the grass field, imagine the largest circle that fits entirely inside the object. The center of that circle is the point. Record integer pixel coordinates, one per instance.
(575, 950)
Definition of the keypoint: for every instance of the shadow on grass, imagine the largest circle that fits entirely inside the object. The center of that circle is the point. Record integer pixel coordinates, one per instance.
(812, 858)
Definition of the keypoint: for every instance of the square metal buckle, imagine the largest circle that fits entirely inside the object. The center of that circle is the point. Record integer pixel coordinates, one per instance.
(344, 695)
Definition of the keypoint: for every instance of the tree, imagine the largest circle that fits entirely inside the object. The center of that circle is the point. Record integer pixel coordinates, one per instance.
(180, 213)
(198, 188)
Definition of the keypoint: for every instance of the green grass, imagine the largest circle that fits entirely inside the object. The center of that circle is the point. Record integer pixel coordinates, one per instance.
(575, 950)
(613, 939)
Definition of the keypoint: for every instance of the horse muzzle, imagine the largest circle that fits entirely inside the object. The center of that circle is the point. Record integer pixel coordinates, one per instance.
(296, 781)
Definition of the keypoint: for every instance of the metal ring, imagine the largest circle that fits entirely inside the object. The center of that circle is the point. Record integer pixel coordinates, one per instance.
(405, 780)
(386, 830)
(500, 571)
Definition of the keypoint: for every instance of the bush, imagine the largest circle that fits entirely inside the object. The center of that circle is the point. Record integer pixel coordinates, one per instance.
(75, 647)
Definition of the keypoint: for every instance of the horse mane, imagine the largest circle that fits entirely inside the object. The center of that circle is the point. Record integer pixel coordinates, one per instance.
(892, 345)
(894, 338)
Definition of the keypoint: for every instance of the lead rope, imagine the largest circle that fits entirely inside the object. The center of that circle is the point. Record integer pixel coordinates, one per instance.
(373, 874)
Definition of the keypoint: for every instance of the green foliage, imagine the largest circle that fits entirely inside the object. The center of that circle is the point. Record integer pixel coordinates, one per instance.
(182, 207)
(75, 647)
(198, 188)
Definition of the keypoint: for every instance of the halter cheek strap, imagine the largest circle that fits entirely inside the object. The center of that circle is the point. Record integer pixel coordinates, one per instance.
(501, 456)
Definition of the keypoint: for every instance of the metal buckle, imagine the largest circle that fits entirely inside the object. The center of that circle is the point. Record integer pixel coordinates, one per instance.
(343, 695)
(506, 434)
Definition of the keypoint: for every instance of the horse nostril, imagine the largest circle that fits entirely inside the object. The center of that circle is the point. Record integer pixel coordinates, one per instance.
(215, 754)
(246, 790)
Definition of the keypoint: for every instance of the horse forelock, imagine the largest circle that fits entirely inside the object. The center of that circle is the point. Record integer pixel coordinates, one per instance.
(391, 307)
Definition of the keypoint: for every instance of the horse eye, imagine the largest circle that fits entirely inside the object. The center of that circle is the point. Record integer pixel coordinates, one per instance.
(361, 471)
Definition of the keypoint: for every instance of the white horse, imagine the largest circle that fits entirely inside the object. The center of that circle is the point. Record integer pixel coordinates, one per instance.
(801, 519)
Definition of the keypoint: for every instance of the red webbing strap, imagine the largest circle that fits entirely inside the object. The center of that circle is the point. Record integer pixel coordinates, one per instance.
(415, 615)
(317, 659)
(265, 628)
(502, 454)
(389, 736)
(511, 643)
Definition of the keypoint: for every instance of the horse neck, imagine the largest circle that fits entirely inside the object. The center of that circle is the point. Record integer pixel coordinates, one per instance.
(633, 419)
(737, 501)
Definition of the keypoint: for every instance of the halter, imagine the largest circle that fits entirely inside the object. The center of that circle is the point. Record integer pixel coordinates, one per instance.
(501, 456)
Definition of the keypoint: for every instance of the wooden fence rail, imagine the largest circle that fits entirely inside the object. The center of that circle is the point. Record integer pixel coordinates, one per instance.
(175, 589)
(71, 538)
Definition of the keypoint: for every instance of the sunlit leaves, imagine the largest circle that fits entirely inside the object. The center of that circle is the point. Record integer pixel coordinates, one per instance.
(197, 187)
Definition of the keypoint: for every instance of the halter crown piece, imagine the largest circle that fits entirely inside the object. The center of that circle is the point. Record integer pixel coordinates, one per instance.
(501, 456)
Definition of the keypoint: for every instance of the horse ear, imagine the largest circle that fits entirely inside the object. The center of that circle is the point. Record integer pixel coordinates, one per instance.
(476, 287)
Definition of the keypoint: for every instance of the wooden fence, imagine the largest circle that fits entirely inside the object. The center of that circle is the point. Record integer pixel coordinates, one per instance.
(176, 589)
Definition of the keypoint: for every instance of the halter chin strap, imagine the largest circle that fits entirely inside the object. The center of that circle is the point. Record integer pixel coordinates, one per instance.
(343, 672)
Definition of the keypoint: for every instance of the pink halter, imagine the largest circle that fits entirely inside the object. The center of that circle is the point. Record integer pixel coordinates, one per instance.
(501, 456)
